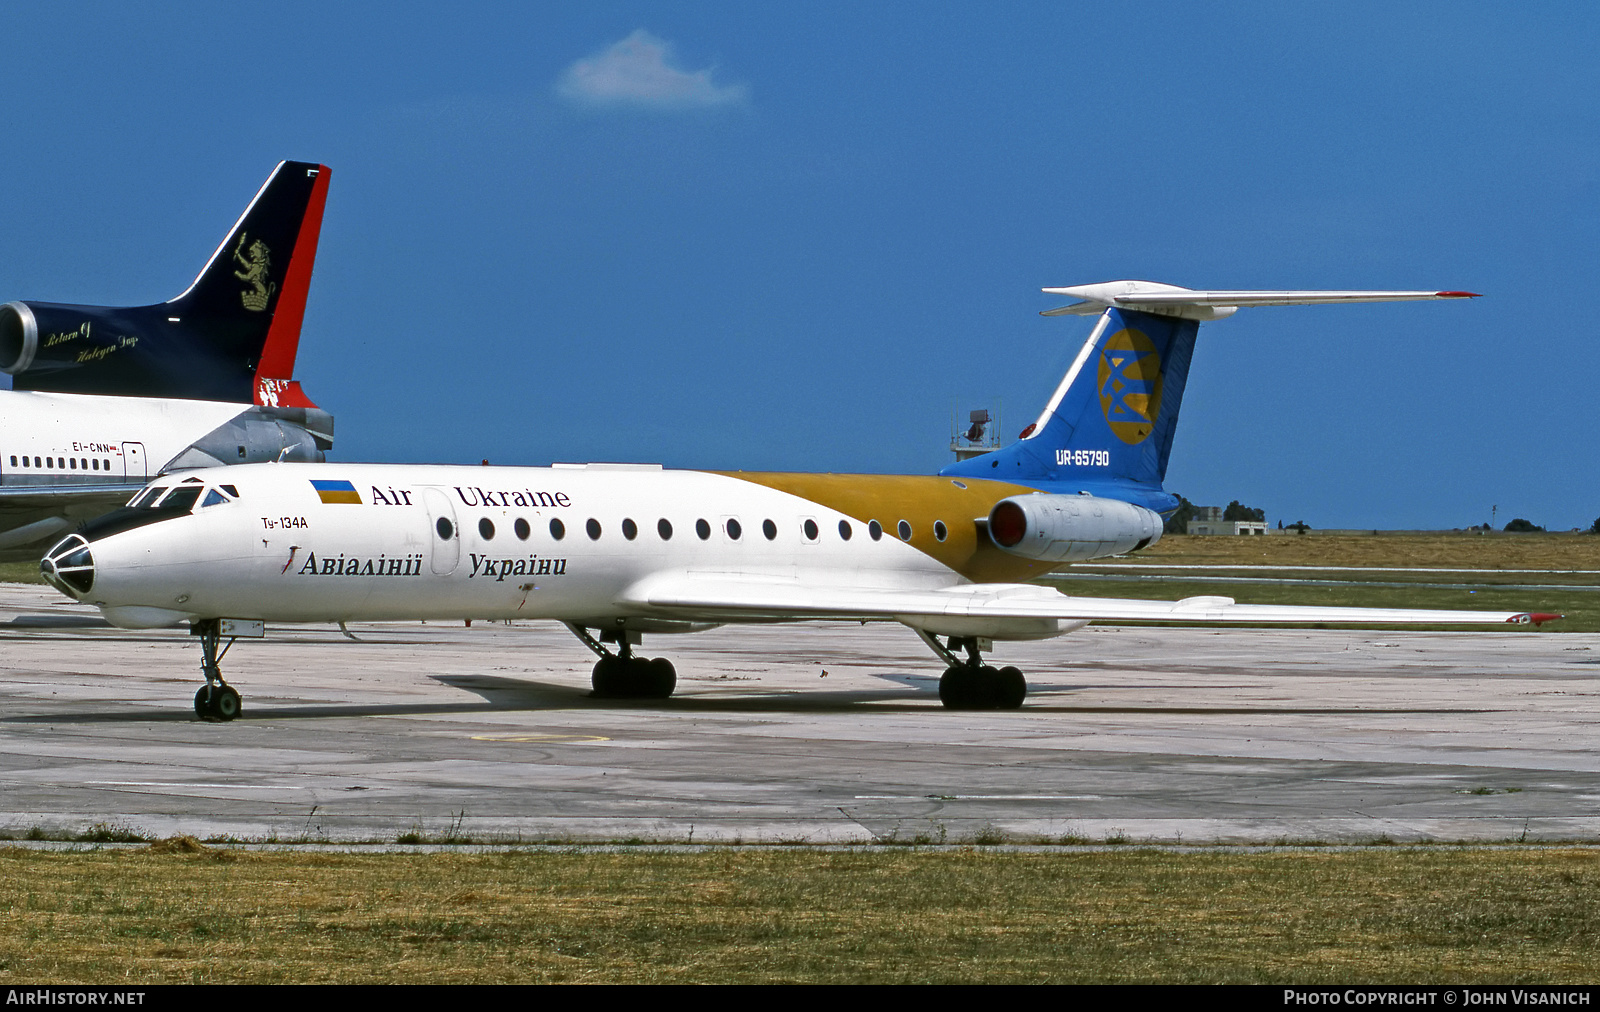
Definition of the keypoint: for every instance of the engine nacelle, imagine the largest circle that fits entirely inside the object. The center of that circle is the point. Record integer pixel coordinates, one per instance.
(52, 343)
(1071, 528)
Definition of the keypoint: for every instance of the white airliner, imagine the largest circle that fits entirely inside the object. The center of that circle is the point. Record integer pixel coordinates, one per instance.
(617, 551)
(104, 397)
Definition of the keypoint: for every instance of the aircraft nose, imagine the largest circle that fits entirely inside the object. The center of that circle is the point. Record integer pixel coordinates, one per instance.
(69, 566)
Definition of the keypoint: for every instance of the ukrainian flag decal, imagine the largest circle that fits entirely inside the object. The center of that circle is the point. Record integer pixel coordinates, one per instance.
(336, 491)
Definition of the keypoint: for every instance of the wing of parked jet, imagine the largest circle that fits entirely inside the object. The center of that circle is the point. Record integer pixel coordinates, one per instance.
(998, 610)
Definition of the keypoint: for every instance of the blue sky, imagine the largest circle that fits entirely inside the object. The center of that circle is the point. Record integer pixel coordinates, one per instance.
(795, 236)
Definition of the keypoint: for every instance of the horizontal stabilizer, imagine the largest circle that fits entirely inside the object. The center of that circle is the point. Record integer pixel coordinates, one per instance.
(1171, 300)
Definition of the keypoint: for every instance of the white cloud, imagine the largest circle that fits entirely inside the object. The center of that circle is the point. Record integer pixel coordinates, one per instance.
(638, 72)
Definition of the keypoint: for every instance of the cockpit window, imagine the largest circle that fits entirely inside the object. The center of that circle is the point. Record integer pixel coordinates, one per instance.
(181, 499)
(213, 498)
(233, 493)
(148, 497)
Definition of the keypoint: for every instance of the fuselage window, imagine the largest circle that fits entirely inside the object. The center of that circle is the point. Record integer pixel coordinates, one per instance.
(445, 528)
(93, 460)
(36, 462)
(844, 530)
(73, 463)
(486, 529)
(702, 529)
(810, 527)
(874, 530)
(50, 462)
(770, 529)
(593, 527)
(905, 530)
(522, 529)
(734, 530)
(630, 530)
(13, 460)
(558, 530)
(106, 465)
(85, 462)
(940, 532)
(664, 528)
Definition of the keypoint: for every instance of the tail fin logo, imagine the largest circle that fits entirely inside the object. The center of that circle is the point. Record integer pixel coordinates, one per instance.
(1130, 385)
(256, 297)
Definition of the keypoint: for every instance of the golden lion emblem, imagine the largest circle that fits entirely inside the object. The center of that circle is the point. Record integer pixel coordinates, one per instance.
(256, 297)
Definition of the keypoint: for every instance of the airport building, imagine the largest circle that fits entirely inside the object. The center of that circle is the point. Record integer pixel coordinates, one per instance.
(1208, 520)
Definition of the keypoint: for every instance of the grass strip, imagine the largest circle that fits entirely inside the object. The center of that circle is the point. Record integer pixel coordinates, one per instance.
(182, 912)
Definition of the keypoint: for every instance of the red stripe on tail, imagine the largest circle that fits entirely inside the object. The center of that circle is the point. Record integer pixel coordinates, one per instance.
(283, 337)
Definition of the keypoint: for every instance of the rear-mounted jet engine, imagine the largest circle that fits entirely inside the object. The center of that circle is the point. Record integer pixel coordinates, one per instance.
(1071, 528)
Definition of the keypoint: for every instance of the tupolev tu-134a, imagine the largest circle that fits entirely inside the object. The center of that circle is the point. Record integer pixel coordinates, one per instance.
(620, 551)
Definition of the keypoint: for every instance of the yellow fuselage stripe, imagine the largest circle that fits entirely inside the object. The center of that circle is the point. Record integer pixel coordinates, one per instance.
(919, 500)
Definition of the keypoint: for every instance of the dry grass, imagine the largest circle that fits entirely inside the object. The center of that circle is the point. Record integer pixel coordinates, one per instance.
(1495, 586)
(883, 915)
(20, 572)
(1469, 551)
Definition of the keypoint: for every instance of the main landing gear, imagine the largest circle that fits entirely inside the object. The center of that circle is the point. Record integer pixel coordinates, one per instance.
(970, 684)
(621, 675)
(216, 700)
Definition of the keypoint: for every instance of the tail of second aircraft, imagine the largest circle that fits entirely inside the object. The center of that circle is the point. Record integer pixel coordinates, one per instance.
(1111, 422)
(231, 336)
(1113, 415)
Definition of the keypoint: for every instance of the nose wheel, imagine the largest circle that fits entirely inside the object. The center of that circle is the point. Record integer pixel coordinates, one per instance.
(216, 700)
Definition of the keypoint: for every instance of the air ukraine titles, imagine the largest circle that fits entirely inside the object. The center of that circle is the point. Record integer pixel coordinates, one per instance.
(472, 495)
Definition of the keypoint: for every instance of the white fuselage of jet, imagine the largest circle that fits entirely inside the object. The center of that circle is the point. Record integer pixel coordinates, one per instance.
(602, 546)
(583, 544)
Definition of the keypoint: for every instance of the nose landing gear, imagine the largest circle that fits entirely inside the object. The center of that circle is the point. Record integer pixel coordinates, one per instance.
(971, 684)
(216, 700)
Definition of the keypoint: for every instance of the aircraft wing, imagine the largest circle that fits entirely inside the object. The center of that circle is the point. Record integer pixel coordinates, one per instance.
(736, 597)
(32, 515)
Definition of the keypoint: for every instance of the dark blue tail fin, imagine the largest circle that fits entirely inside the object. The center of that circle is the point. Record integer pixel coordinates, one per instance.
(1115, 413)
(232, 336)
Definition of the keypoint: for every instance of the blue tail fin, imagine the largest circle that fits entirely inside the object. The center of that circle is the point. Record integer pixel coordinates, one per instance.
(1113, 417)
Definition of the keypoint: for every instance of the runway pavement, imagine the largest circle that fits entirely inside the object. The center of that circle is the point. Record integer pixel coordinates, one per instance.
(1142, 734)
